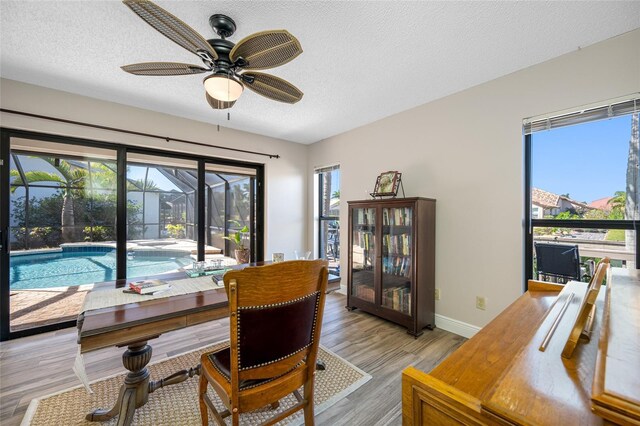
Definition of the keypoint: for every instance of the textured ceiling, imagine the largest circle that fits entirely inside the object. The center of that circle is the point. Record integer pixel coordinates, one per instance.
(362, 61)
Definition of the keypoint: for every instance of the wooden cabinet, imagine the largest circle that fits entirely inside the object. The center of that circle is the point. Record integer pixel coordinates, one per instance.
(392, 260)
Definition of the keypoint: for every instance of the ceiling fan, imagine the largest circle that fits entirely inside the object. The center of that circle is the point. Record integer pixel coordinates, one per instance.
(231, 65)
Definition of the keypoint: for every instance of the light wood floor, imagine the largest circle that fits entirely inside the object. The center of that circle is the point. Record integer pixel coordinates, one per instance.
(39, 365)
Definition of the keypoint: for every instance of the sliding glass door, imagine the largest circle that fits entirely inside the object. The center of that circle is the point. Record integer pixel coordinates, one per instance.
(161, 214)
(61, 230)
(61, 200)
(230, 204)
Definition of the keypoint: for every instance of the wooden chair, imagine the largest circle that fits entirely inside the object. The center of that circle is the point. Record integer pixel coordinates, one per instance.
(276, 318)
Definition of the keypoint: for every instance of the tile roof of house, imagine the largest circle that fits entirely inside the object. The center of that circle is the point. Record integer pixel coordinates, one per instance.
(543, 198)
(601, 204)
(577, 203)
(549, 199)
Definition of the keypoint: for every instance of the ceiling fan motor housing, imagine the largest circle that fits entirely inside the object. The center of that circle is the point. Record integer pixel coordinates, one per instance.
(222, 48)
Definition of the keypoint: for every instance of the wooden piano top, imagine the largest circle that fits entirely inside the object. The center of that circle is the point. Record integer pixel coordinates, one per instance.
(501, 373)
(511, 379)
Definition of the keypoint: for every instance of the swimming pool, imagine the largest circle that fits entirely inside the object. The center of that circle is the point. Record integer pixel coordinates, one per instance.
(87, 266)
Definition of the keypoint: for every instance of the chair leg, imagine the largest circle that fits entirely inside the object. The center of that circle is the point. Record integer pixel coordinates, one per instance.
(204, 415)
(308, 408)
(235, 419)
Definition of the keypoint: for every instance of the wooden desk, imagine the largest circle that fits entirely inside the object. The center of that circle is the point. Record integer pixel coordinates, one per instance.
(133, 325)
(120, 325)
(501, 377)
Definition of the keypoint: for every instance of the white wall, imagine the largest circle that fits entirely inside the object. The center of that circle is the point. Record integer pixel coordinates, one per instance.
(466, 150)
(285, 221)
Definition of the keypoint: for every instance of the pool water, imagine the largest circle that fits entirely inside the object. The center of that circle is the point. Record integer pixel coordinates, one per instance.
(46, 270)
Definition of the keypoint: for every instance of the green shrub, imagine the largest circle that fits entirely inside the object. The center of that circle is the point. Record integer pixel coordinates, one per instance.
(98, 233)
(45, 235)
(175, 231)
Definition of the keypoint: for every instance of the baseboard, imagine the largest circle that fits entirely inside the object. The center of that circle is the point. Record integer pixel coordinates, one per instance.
(458, 327)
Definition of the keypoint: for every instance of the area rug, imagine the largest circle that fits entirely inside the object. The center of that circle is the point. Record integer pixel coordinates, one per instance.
(178, 404)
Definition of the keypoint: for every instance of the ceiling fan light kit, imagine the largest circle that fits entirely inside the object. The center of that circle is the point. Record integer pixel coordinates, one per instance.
(230, 64)
(223, 88)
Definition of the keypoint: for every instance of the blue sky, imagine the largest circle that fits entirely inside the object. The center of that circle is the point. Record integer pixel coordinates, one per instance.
(588, 161)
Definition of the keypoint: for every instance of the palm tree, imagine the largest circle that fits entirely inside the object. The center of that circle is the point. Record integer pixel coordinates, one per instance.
(71, 181)
(617, 203)
(326, 193)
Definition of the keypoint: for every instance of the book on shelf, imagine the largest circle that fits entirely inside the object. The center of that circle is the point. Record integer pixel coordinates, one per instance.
(398, 244)
(397, 298)
(148, 286)
(399, 265)
(365, 292)
(362, 217)
(363, 239)
(398, 216)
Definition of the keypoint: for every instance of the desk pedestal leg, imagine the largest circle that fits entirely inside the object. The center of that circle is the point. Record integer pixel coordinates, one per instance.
(134, 392)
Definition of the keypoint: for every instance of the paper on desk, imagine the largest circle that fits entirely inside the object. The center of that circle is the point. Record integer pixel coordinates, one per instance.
(81, 372)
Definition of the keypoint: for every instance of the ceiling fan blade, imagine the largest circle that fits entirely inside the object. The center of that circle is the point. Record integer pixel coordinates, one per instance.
(163, 68)
(171, 27)
(266, 49)
(216, 104)
(272, 87)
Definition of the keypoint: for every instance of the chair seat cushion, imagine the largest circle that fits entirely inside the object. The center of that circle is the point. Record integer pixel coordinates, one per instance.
(221, 361)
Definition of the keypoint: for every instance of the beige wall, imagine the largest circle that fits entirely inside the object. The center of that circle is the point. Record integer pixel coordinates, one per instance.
(285, 177)
(466, 150)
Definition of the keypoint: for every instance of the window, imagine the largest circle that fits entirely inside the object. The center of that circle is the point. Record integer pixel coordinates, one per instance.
(329, 216)
(582, 185)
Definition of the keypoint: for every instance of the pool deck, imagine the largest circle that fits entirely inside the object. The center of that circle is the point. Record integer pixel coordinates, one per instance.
(35, 308)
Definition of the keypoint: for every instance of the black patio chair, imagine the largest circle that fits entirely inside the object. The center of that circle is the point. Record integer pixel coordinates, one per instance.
(558, 261)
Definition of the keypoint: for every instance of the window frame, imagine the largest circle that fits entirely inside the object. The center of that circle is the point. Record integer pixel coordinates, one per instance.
(531, 223)
(322, 218)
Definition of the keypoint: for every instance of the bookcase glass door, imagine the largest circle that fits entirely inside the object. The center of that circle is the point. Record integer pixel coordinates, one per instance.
(397, 251)
(363, 253)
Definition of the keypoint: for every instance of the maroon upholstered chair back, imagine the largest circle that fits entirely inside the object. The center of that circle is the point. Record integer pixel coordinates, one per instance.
(275, 315)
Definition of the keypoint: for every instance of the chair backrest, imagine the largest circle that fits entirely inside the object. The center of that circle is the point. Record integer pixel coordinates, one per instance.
(276, 316)
(559, 260)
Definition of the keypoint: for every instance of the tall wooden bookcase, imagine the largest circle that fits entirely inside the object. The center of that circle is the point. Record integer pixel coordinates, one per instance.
(392, 260)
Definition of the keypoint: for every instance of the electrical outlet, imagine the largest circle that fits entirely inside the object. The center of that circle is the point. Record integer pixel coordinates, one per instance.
(437, 294)
(481, 303)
